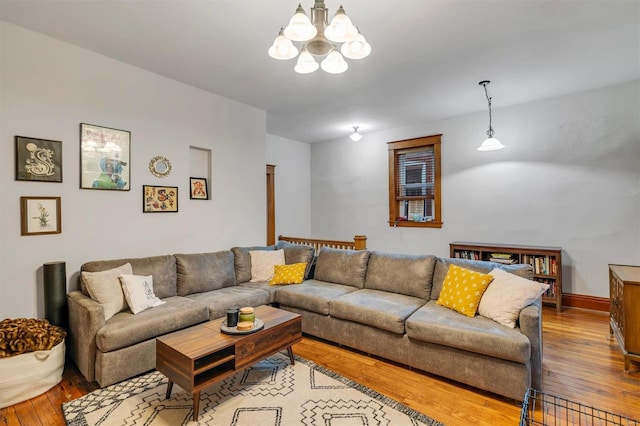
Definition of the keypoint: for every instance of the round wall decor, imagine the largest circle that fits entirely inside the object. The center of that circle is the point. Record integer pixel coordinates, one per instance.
(160, 166)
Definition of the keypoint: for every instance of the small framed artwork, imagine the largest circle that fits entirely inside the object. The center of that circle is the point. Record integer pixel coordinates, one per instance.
(159, 199)
(104, 158)
(40, 215)
(38, 159)
(199, 190)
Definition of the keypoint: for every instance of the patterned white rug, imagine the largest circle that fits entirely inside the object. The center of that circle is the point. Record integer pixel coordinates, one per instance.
(270, 393)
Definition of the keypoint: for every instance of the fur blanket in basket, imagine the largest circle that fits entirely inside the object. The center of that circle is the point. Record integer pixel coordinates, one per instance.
(22, 335)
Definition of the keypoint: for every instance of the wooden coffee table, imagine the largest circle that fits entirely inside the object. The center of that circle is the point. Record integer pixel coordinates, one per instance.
(199, 356)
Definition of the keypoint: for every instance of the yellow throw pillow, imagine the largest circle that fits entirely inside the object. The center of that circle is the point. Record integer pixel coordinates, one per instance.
(462, 290)
(288, 274)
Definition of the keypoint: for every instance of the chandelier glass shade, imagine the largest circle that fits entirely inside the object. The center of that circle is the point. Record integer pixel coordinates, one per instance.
(491, 143)
(320, 39)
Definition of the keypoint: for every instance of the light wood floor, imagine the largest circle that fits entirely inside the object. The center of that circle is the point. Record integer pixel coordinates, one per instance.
(581, 363)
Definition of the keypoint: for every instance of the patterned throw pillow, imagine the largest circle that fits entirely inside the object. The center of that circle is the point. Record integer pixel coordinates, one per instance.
(138, 290)
(288, 274)
(462, 290)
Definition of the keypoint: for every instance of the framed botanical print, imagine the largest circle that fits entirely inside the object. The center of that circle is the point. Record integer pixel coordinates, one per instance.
(159, 199)
(38, 159)
(40, 215)
(199, 190)
(104, 158)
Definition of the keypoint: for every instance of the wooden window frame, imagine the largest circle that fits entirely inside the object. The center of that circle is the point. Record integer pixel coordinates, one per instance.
(396, 148)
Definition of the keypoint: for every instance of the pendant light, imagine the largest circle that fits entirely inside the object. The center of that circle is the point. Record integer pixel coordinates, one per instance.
(355, 136)
(491, 143)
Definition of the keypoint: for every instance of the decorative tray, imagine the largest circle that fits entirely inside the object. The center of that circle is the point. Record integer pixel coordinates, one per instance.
(257, 325)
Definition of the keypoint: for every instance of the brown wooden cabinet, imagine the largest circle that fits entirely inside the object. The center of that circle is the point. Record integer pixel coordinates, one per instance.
(624, 304)
(546, 262)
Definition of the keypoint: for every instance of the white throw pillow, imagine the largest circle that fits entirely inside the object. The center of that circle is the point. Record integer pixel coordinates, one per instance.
(138, 290)
(507, 295)
(263, 264)
(104, 287)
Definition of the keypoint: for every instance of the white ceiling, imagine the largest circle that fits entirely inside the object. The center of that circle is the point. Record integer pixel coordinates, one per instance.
(427, 59)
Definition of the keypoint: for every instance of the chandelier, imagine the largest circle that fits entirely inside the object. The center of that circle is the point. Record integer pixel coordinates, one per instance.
(320, 38)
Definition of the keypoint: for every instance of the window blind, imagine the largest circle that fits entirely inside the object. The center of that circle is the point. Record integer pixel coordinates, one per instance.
(415, 174)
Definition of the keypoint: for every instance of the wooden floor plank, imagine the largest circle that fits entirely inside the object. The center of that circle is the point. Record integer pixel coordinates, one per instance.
(580, 361)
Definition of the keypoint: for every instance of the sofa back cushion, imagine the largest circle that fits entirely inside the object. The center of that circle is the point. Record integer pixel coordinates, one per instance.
(442, 267)
(406, 274)
(162, 268)
(297, 253)
(242, 261)
(348, 267)
(200, 272)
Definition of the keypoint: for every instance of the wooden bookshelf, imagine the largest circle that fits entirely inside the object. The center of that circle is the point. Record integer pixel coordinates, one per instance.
(546, 262)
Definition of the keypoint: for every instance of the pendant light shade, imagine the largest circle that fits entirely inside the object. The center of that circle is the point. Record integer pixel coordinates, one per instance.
(357, 48)
(306, 63)
(334, 63)
(491, 143)
(282, 48)
(341, 29)
(300, 27)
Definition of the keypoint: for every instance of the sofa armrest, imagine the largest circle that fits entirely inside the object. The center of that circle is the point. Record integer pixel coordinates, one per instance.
(530, 320)
(86, 317)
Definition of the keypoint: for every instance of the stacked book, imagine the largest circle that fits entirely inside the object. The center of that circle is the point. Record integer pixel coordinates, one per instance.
(502, 258)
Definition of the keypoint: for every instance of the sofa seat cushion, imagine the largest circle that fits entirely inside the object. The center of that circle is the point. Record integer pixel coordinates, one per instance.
(312, 295)
(380, 309)
(126, 329)
(265, 286)
(436, 324)
(218, 301)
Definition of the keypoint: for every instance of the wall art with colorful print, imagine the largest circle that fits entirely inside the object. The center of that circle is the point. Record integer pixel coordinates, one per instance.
(104, 158)
(159, 199)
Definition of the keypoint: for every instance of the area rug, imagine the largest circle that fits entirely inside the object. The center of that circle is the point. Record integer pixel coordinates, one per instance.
(270, 393)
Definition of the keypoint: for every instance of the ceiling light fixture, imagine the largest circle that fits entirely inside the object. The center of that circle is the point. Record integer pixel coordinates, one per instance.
(355, 136)
(491, 143)
(320, 37)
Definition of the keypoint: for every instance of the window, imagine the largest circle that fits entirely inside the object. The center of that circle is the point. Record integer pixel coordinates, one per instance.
(414, 182)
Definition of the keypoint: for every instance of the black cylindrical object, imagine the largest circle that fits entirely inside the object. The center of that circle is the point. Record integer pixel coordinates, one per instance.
(55, 293)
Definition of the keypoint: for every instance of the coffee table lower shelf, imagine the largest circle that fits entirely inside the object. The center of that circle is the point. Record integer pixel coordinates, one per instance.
(199, 356)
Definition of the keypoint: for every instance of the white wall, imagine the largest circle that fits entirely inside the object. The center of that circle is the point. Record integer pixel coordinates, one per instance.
(569, 177)
(293, 185)
(47, 88)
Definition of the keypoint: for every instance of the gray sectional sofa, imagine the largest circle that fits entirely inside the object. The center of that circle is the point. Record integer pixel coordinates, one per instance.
(380, 303)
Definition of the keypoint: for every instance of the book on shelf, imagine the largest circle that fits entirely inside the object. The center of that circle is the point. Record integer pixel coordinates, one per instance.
(466, 254)
(502, 260)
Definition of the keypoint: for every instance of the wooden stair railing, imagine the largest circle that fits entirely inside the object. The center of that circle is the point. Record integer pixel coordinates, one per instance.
(359, 242)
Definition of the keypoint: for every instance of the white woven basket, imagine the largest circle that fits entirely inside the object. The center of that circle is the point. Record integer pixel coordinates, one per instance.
(28, 375)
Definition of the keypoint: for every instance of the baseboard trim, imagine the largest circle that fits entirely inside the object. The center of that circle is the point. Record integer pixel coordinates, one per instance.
(586, 302)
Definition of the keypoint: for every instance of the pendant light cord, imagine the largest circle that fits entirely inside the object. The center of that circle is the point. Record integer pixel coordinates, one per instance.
(490, 131)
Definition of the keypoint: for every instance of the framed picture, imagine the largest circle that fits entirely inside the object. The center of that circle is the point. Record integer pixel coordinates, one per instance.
(159, 199)
(38, 159)
(199, 190)
(104, 158)
(40, 215)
